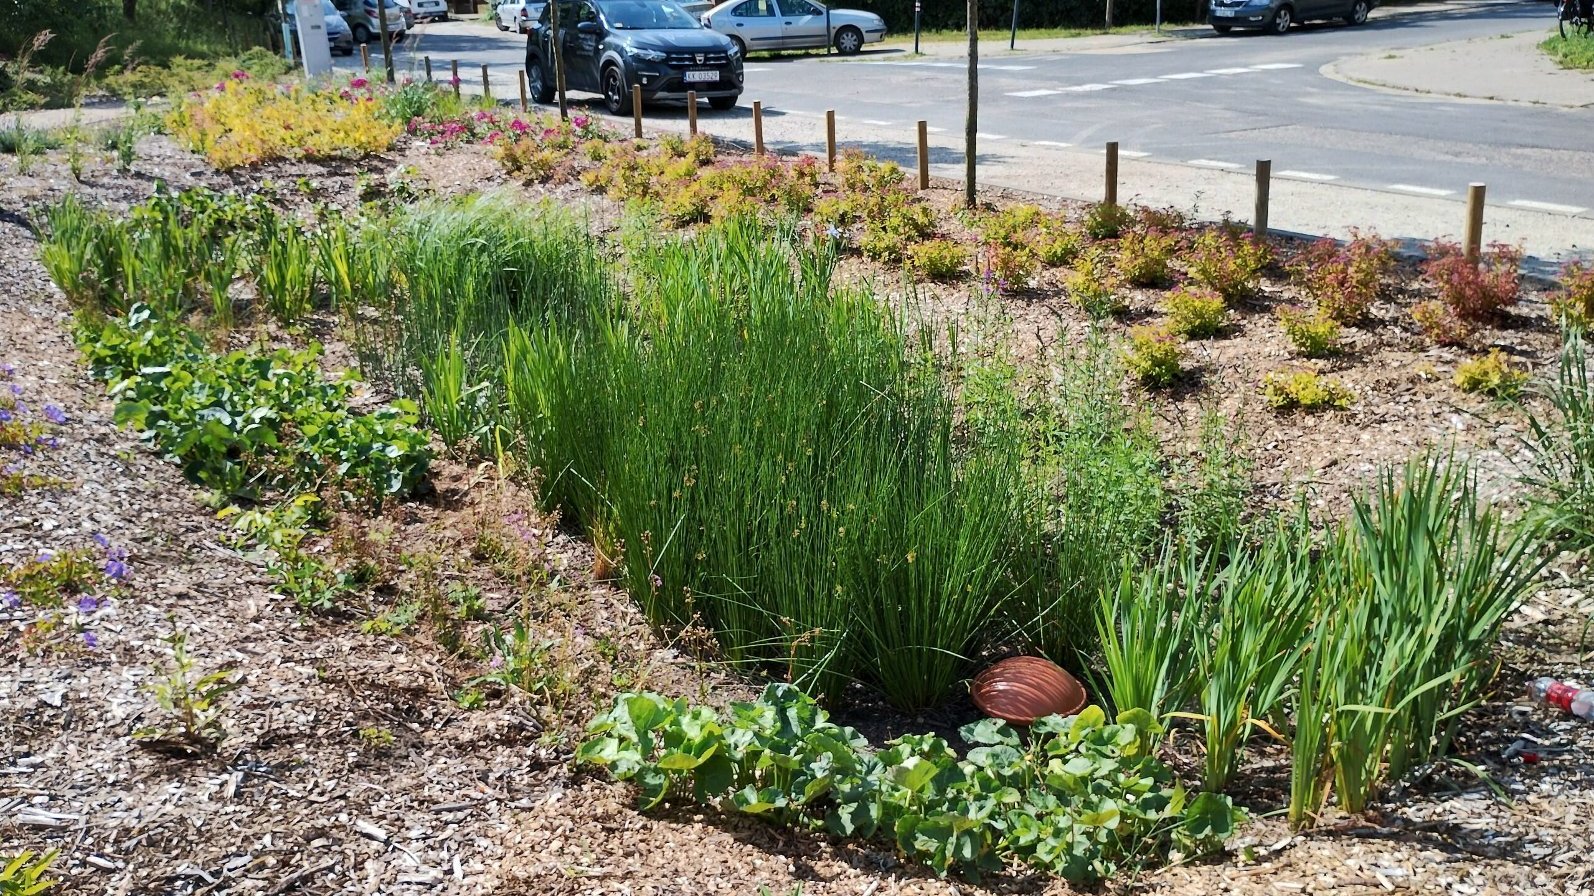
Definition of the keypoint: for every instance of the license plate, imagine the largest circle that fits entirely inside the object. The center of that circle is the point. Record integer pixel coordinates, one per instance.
(1223, 12)
(696, 77)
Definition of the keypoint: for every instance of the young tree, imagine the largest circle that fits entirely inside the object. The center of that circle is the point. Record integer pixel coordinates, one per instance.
(970, 126)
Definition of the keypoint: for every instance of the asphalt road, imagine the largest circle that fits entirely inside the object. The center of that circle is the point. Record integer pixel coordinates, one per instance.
(1203, 102)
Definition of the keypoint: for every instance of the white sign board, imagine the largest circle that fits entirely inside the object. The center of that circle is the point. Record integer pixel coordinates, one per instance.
(313, 45)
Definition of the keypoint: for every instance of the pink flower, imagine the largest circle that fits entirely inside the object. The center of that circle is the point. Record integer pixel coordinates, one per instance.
(454, 81)
(581, 121)
(359, 83)
(240, 75)
(519, 127)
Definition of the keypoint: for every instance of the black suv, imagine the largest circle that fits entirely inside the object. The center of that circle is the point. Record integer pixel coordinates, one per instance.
(609, 45)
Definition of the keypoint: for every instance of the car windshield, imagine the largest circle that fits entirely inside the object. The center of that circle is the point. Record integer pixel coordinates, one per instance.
(633, 15)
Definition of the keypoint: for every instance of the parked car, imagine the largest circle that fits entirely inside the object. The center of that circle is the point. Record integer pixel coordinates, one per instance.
(404, 7)
(610, 45)
(1278, 15)
(517, 15)
(430, 10)
(793, 25)
(362, 18)
(339, 38)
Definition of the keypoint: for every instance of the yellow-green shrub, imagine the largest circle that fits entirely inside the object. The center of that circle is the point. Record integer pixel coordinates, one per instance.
(1492, 375)
(246, 123)
(938, 260)
(1574, 305)
(1305, 390)
(1195, 313)
(1094, 286)
(1145, 257)
(1155, 356)
(1313, 333)
(1228, 263)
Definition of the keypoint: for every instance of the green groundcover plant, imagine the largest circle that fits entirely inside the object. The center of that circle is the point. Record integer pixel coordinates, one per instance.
(1078, 797)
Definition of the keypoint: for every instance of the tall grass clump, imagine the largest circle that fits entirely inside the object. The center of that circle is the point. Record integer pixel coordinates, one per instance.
(1560, 456)
(1414, 591)
(777, 461)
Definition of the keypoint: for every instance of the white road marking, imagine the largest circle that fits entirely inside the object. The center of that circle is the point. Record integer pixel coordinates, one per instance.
(1305, 175)
(876, 121)
(1085, 88)
(1547, 206)
(1214, 163)
(1425, 191)
(934, 130)
(1128, 153)
(1229, 71)
(1136, 82)
(1184, 76)
(1274, 66)
(1056, 143)
(1029, 93)
(984, 136)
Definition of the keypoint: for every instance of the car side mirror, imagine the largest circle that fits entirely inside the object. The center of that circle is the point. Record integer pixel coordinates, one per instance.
(588, 28)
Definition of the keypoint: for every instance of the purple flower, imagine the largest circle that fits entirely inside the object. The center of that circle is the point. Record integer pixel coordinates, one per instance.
(117, 569)
(87, 604)
(497, 662)
(116, 553)
(10, 600)
(54, 414)
(45, 557)
(101, 540)
(50, 442)
(5, 416)
(655, 581)
(8, 370)
(16, 388)
(90, 641)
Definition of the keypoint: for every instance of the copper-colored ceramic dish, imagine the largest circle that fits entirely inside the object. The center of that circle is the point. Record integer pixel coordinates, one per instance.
(1022, 689)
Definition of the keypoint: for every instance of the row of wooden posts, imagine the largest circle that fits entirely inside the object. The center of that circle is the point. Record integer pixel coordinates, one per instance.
(1264, 167)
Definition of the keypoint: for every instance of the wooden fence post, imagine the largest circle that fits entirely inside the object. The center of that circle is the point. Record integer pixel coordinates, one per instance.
(524, 106)
(691, 112)
(1264, 186)
(830, 139)
(454, 75)
(487, 91)
(428, 69)
(365, 57)
(1111, 197)
(636, 109)
(1474, 222)
(758, 127)
(924, 155)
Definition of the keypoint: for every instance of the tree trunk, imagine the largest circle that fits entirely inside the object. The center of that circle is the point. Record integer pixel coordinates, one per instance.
(130, 9)
(1109, 15)
(557, 50)
(971, 126)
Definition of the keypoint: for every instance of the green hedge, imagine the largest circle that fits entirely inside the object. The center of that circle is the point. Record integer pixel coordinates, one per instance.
(949, 14)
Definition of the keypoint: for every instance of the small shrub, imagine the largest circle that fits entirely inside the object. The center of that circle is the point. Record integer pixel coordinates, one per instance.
(1305, 390)
(1105, 222)
(1440, 323)
(192, 705)
(1145, 257)
(246, 123)
(1155, 356)
(1094, 287)
(1492, 375)
(1195, 313)
(1046, 235)
(1313, 333)
(938, 260)
(23, 874)
(1573, 306)
(1343, 281)
(1007, 269)
(861, 174)
(529, 159)
(1228, 263)
(1475, 292)
(1170, 219)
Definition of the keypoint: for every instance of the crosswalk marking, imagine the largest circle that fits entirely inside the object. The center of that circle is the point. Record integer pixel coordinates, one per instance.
(1422, 191)
(1057, 143)
(1275, 66)
(1136, 82)
(1547, 206)
(1305, 175)
(1229, 71)
(1032, 93)
(1214, 163)
(1086, 88)
(1185, 76)
(984, 136)
(876, 121)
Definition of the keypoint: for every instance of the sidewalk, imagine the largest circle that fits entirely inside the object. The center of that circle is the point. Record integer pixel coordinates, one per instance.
(1506, 69)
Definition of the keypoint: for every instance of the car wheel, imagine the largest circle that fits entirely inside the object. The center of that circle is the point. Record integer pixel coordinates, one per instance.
(1281, 20)
(362, 34)
(741, 48)
(501, 25)
(1358, 13)
(849, 40)
(722, 103)
(539, 88)
(616, 96)
(1223, 29)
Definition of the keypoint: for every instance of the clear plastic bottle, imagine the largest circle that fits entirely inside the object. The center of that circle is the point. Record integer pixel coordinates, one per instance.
(1577, 701)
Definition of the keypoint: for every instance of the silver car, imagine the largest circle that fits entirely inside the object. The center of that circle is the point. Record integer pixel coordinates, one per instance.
(793, 25)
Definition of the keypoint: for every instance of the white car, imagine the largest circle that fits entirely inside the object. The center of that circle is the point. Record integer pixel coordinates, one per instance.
(517, 15)
(793, 25)
(426, 10)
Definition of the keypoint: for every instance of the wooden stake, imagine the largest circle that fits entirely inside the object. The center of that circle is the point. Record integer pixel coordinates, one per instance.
(830, 139)
(1264, 186)
(365, 57)
(1474, 222)
(428, 69)
(454, 76)
(924, 155)
(691, 112)
(524, 106)
(487, 91)
(636, 109)
(1112, 174)
(758, 127)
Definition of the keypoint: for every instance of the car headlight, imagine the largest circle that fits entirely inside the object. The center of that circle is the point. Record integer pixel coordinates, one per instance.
(649, 55)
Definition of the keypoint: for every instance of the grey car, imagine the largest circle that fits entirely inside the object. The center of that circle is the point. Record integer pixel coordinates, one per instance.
(1277, 16)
